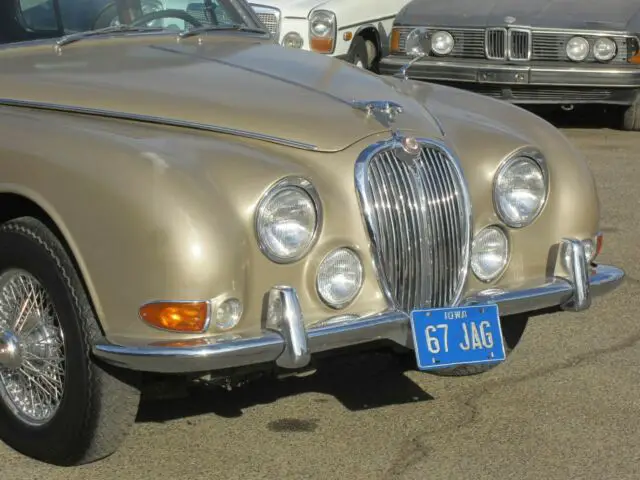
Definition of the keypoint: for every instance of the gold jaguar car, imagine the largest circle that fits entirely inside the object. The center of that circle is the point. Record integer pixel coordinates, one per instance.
(182, 198)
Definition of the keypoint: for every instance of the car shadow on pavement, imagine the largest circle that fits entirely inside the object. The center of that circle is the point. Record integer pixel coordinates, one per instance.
(358, 382)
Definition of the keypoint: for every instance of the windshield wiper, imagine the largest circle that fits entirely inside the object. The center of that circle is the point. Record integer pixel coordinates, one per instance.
(74, 37)
(210, 28)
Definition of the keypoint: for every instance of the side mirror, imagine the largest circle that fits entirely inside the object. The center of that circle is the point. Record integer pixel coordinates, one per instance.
(416, 46)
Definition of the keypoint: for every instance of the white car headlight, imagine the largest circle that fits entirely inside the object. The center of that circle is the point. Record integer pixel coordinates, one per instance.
(322, 24)
(577, 49)
(292, 40)
(489, 253)
(520, 189)
(604, 49)
(287, 220)
(442, 43)
(339, 277)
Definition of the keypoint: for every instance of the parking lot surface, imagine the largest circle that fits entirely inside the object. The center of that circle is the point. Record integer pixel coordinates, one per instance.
(565, 405)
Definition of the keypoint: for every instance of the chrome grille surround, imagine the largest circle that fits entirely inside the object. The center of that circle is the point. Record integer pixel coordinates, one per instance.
(270, 16)
(418, 215)
(495, 43)
(546, 44)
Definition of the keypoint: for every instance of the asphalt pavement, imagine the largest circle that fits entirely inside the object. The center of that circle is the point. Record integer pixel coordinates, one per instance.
(566, 405)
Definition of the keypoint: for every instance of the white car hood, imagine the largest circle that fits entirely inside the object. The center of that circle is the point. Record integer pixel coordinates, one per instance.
(292, 8)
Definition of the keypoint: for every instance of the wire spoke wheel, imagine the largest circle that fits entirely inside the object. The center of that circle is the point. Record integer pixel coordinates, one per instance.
(32, 352)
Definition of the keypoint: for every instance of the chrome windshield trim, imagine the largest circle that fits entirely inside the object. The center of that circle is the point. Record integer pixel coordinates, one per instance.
(155, 120)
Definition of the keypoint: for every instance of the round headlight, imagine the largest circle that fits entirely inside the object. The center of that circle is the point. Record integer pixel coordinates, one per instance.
(520, 190)
(604, 49)
(442, 43)
(292, 40)
(321, 23)
(287, 220)
(339, 278)
(489, 253)
(577, 49)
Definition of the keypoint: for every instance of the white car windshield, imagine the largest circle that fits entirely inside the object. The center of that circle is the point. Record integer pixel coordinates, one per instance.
(74, 16)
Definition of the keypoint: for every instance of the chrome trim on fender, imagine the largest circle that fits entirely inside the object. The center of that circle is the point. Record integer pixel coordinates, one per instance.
(288, 343)
(155, 120)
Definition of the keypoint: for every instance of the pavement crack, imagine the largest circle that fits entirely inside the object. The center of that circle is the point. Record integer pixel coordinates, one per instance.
(416, 449)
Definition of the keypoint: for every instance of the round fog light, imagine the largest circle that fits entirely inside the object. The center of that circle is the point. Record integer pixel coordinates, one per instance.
(489, 253)
(292, 40)
(339, 278)
(227, 314)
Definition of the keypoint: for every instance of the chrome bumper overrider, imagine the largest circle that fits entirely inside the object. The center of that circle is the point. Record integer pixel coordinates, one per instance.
(287, 342)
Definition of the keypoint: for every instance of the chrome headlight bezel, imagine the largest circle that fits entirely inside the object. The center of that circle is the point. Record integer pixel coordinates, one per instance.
(304, 186)
(536, 157)
(330, 19)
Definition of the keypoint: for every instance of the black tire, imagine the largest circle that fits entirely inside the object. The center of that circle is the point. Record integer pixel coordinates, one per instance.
(358, 52)
(631, 117)
(99, 404)
(513, 328)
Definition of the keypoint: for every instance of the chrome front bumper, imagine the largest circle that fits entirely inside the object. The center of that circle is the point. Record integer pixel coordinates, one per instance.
(287, 342)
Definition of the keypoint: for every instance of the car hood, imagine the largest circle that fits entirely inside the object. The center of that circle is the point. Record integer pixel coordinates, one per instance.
(218, 82)
(612, 14)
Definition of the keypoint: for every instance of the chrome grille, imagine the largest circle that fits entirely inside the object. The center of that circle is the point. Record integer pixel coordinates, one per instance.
(496, 43)
(519, 44)
(418, 216)
(543, 45)
(270, 17)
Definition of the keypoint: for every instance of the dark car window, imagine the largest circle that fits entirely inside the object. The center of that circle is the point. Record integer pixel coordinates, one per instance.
(39, 15)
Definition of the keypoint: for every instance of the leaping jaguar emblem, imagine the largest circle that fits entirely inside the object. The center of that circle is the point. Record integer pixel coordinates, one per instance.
(384, 112)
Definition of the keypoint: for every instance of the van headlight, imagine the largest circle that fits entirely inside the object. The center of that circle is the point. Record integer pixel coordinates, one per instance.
(287, 220)
(520, 188)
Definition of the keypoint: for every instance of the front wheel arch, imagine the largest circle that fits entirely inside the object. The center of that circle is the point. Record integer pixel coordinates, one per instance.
(14, 205)
(371, 35)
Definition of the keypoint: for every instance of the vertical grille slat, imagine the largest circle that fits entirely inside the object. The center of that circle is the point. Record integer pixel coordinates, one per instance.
(519, 44)
(496, 43)
(418, 216)
(270, 17)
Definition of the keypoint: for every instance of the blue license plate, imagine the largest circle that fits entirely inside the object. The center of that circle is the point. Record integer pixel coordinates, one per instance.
(446, 337)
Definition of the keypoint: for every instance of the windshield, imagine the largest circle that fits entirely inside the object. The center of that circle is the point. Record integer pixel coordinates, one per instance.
(65, 17)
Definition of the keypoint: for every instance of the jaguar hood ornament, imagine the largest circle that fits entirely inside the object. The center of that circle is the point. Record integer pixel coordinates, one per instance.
(385, 112)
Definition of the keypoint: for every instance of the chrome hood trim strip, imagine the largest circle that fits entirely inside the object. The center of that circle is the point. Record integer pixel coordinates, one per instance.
(155, 120)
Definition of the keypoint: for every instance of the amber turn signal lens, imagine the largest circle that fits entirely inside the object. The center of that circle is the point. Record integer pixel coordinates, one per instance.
(394, 44)
(599, 244)
(322, 45)
(187, 317)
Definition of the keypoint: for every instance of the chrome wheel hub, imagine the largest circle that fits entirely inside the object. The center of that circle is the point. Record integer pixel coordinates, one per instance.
(10, 357)
(32, 364)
